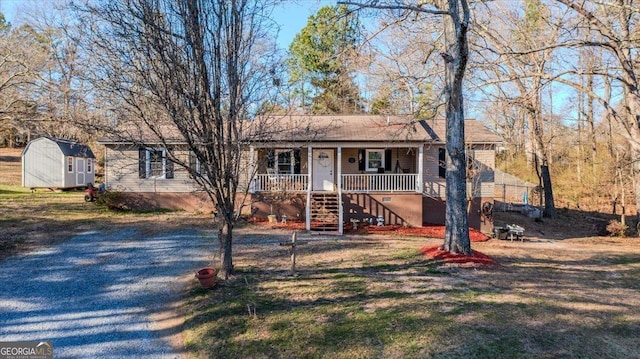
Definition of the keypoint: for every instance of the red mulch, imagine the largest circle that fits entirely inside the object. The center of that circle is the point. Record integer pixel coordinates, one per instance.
(428, 230)
(476, 259)
(431, 231)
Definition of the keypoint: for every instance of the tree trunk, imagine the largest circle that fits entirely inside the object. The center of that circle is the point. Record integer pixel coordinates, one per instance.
(549, 205)
(456, 217)
(635, 168)
(225, 235)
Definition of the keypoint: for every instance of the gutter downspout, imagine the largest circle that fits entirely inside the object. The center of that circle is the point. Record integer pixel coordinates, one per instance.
(309, 184)
(420, 184)
(339, 181)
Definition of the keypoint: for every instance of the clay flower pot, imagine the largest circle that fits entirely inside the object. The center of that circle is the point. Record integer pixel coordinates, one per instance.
(207, 277)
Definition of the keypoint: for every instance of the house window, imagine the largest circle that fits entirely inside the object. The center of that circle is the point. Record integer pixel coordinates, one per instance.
(194, 163)
(374, 159)
(472, 166)
(88, 165)
(153, 163)
(285, 162)
(442, 162)
(69, 164)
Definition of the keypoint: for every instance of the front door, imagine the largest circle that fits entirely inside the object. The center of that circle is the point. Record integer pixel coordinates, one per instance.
(80, 168)
(323, 179)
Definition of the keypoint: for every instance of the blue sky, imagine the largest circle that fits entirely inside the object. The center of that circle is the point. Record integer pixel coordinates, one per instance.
(292, 15)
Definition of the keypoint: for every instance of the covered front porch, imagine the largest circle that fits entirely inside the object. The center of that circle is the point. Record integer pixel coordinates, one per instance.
(334, 181)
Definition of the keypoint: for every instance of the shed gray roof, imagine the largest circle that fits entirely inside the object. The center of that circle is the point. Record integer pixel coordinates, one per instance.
(68, 148)
(75, 149)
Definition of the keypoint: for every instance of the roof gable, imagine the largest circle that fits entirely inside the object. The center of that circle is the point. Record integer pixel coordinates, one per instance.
(67, 147)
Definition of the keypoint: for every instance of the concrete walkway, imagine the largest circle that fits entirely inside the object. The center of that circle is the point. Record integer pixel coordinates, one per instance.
(93, 295)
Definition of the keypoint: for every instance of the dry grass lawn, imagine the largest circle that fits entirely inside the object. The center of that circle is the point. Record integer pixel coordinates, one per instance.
(561, 294)
(32, 219)
(377, 297)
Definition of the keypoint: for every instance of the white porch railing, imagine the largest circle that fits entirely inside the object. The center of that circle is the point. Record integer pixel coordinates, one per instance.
(379, 182)
(391, 182)
(280, 183)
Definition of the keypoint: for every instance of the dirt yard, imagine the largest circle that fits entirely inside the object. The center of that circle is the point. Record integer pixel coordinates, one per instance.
(10, 166)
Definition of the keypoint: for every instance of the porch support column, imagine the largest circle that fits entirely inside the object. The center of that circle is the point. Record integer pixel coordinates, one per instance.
(420, 180)
(339, 182)
(309, 185)
(252, 170)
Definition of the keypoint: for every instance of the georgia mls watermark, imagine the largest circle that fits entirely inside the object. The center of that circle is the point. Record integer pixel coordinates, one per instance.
(26, 350)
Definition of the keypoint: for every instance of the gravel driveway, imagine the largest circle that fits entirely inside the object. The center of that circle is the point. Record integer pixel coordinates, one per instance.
(92, 296)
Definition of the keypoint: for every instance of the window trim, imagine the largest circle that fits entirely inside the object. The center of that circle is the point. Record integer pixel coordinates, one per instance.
(472, 168)
(69, 164)
(366, 159)
(89, 167)
(163, 155)
(292, 161)
(442, 162)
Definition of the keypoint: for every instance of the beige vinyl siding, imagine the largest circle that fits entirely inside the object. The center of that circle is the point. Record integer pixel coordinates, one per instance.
(350, 168)
(122, 173)
(405, 159)
(245, 169)
(480, 186)
(434, 186)
(403, 156)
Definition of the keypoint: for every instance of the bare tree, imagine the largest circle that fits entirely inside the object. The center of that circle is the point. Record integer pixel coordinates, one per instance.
(192, 71)
(455, 52)
(22, 56)
(397, 85)
(610, 26)
(517, 67)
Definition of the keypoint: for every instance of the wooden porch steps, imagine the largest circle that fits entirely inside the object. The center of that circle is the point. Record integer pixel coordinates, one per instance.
(324, 211)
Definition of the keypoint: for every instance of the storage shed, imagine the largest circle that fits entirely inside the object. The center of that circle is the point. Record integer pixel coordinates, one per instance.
(56, 163)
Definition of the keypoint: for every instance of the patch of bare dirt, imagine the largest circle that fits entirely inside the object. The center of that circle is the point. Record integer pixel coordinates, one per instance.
(11, 166)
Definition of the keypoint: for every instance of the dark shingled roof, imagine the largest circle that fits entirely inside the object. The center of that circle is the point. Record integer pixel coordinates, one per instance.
(75, 149)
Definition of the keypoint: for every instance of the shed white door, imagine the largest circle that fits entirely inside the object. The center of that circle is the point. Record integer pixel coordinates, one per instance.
(323, 179)
(80, 169)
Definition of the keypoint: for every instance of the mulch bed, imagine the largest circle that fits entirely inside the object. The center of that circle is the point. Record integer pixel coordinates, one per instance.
(477, 259)
(474, 260)
(428, 230)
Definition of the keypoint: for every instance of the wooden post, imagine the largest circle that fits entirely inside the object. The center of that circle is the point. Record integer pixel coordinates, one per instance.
(293, 253)
(293, 244)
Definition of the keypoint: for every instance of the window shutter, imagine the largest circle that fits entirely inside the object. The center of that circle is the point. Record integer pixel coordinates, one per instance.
(296, 158)
(142, 163)
(168, 165)
(192, 161)
(387, 160)
(442, 162)
(361, 159)
(271, 159)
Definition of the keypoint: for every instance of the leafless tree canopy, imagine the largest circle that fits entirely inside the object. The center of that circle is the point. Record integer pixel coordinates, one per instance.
(186, 71)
